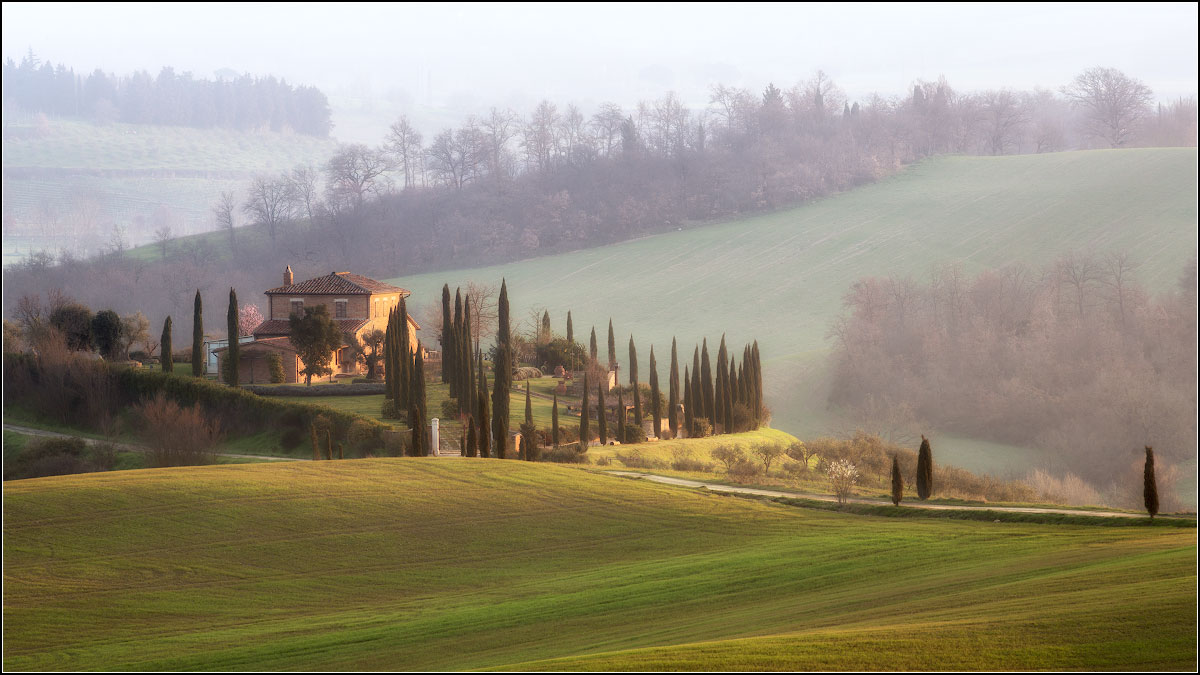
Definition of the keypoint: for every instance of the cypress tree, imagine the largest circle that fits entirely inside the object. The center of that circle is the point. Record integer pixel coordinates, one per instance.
(502, 374)
(197, 337)
(673, 392)
(481, 396)
(924, 469)
(472, 439)
(620, 416)
(570, 329)
(633, 382)
(706, 385)
(697, 391)
(689, 411)
(592, 345)
(329, 444)
(655, 409)
(528, 431)
(417, 408)
(584, 415)
(403, 357)
(455, 346)
(554, 422)
(168, 364)
(546, 333)
(612, 347)
(447, 335)
(729, 389)
(312, 428)
(1150, 487)
(466, 360)
(722, 387)
(389, 370)
(232, 353)
(897, 482)
(601, 414)
(341, 455)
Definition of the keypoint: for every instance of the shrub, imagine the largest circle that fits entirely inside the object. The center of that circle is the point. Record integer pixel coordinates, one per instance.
(1070, 489)
(801, 453)
(58, 457)
(565, 454)
(743, 470)
(682, 460)
(275, 367)
(389, 411)
(291, 438)
(364, 438)
(767, 453)
(701, 428)
(526, 373)
(728, 455)
(743, 419)
(395, 444)
(795, 470)
(842, 477)
(177, 436)
(450, 409)
(560, 352)
(633, 433)
(636, 460)
(604, 461)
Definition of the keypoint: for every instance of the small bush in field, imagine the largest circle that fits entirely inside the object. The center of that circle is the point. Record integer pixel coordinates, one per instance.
(636, 460)
(564, 454)
(633, 434)
(767, 453)
(743, 470)
(177, 436)
(701, 428)
(728, 455)
(682, 460)
(364, 438)
(394, 445)
(795, 470)
(604, 461)
(842, 477)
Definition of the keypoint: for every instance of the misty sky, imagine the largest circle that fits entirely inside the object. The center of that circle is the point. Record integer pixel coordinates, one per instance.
(463, 55)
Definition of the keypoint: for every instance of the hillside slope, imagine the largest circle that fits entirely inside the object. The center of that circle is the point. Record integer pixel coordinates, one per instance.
(780, 277)
(410, 564)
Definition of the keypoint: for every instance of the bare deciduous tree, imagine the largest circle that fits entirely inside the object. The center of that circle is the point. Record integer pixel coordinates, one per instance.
(267, 203)
(1113, 103)
(404, 144)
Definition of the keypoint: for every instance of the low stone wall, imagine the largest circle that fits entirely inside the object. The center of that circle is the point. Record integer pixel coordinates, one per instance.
(361, 389)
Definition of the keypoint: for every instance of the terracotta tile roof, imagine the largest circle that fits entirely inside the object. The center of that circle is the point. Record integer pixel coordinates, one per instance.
(340, 283)
(273, 327)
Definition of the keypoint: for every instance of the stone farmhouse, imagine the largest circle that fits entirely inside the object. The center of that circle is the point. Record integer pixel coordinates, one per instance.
(356, 303)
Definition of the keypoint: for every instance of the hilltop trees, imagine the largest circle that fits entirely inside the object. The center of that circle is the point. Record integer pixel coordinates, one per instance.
(924, 470)
(612, 347)
(1114, 103)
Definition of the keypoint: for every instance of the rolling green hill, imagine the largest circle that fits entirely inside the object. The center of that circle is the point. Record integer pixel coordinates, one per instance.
(410, 564)
(780, 277)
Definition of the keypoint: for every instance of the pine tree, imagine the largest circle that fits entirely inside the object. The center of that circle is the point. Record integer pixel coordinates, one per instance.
(592, 346)
(706, 385)
(481, 396)
(168, 364)
(897, 482)
(232, 352)
(446, 336)
(602, 415)
(502, 374)
(924, 469)
(612, 347)
(1150, 488)
(673, 392)
(633, 382)
(585, 414)
(197, 337)
(570, 329)
(621, 416)
(655, 409)
(554, 422)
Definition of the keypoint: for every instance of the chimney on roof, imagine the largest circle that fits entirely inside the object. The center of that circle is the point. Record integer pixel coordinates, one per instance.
(287, 276)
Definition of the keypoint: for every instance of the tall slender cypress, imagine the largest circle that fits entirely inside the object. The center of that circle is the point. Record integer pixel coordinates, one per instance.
(592, 346)
(612, 347)
(466, 360)
(503, 374)
(472, 438)
(897, 482)
(924, 469)
(232, 353)
(197, 337)
(554, 422)
(758, 384)
(528, 432)
(455, 347)
(721, 383)
(446, 336)
(655, 408)
(689, 410)
(673, 389)
(633, 382)
(621, 416)
(584, 415)
(168, 363)
(403, 356)
(482, 419)
(417, 405)
(601, 414)
(389, 372)
(546, 333)
(570, 329)
(730, 379)
(706, 385)
(1149, 486)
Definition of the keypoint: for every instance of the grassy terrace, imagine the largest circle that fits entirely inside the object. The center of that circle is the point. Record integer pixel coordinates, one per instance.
(409, 564)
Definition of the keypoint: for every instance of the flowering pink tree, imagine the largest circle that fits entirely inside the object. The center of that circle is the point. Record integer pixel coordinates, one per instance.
(248, 319)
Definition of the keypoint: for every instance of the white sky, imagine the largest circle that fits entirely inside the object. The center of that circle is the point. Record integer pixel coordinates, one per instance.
(465, 55)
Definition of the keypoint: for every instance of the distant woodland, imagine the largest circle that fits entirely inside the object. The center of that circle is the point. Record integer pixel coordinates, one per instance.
(1074, 357)
(170, 99)
(505, 186)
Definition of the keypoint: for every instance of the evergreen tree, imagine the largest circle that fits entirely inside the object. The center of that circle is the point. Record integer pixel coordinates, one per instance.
(673, 392)
(730, 378)
(592, 346)
(601, 414)
(924, 469)
(232, 353)
(706, 384)
(655, 410)
(689, 410)
(633, 382)
(758, 385)
(455, 346)
(168, 364)
(417, 409)
(328, 444)
(481, 396)
(584, 415)
(528, 431)
(502, 369)
(446, 337)
(554, 422)
(197, 337)
(467, 361)
(545, 334)
(389, 349)
(341, 455)
(472, 438)
(620, 416)
(612, 347)
(1150, 488)
(719, 391)
(570, 329)
(897, 482)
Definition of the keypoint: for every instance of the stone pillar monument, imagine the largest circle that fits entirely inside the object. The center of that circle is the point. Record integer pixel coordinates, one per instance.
(434, 445)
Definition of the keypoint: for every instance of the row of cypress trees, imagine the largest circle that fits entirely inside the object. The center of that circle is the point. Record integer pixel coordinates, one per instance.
(167, 348)
(716, 395)
(404, 379)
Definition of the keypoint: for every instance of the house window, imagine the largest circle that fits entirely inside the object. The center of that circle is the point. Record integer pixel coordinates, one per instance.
(297, 305)
(339, 309)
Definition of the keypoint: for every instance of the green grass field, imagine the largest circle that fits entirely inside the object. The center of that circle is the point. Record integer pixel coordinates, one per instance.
(780, 278)
(409, 564)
